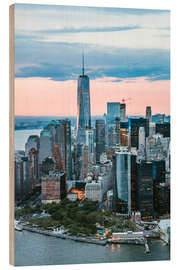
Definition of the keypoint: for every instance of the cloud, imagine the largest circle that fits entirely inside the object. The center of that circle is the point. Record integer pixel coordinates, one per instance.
(88, 29)
(61, 61)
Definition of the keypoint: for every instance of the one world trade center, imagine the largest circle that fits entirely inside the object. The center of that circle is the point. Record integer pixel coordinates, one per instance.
(83, 106)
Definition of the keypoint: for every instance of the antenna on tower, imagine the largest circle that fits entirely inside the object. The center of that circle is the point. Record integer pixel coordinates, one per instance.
(83, 63)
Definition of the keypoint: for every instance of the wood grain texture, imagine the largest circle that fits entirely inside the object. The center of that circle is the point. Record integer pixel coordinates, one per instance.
(11, 135)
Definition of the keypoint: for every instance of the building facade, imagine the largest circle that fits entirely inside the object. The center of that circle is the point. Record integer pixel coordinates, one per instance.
(83, 106)
(100, 139)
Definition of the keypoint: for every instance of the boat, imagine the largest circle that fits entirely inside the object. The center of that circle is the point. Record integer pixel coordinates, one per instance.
(17, 226)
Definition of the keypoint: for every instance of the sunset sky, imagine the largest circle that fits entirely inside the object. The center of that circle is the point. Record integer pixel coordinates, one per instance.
(127, 56)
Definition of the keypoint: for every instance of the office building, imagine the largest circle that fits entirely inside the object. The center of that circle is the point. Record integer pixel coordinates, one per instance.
(122, 112)
(159, 171)
(134, 206)
(26, 179)
(113, 111)
(45, 145)
(100, 139)
(63, 134)
(162, 199)
(93, 191)
(18, 173)
(122, 184)
(33, 142)
(135, 125)
(57, 158)
(148, 113)
(83, 106)
(124, 134)
(86, 162)
(90, 142)
(163, 129)
(53, 187)
(145, 189)
(48, 165)
(117, 130)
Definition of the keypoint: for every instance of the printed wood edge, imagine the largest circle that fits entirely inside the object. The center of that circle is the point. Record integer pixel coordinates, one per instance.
(11, 135)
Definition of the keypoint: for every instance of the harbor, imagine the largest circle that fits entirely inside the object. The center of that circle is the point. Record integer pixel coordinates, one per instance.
(125, 240)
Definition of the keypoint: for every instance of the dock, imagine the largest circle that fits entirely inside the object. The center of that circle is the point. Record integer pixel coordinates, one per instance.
(65, 236)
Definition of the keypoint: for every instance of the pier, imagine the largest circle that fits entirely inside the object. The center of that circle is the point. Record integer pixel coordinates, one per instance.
(136, 241)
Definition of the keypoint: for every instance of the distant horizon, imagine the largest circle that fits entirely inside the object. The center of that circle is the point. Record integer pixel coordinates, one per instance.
(76, 116)
(126, 56)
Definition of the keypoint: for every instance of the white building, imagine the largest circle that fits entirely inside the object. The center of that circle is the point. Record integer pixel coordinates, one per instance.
(94, 191)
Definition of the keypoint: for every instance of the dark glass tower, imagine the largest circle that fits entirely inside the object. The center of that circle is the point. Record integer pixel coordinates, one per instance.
(100, 139)
(83, 106)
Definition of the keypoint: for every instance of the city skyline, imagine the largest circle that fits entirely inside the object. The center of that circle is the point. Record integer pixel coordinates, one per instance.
(97, 167)
(119, 65)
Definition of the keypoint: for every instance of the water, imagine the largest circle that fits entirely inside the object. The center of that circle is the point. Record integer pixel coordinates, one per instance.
(37, 249)
(21, 136)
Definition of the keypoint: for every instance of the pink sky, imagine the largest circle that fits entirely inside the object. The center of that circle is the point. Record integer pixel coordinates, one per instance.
(42, 96)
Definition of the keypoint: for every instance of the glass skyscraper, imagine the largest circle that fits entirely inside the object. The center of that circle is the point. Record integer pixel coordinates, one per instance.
(123, 181)
(83, 106)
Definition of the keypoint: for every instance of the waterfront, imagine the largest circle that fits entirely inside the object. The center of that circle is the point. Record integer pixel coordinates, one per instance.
(37, 249)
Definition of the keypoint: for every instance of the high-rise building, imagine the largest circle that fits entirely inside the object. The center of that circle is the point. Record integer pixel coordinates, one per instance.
(48, 165)
(162, 199)
(18, 166)
(45, 145)
(63, 134)
(142, 144)
(90, 142)
(32, 151)
(123, 112)
(53, 187)
(133, 183)
(122, 185)
(83, 106)
(163, 129)
(86, 162)
(94, 191)
(26, 180)
(100, 139)
(57, 159)
(135, 125)
(33, 168)
(148, 113)
(145, 189)
(159, 171)
(78, 159)
(124, 133)
(113, 111)
(117, 129)
(32, 143)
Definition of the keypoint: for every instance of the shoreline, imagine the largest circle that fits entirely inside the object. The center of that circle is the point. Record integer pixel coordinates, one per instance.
(134, 241)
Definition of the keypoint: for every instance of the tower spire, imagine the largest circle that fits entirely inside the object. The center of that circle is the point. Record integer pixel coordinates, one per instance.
(83, 63)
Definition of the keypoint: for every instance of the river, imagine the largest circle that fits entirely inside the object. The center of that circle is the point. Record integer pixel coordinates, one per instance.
(21, 136)
(36, 249)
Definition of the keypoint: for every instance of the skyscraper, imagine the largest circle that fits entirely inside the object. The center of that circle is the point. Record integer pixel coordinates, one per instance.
(123, 112)
(113, 111)
(90, 142)
(100, 138)
(45, 145)
(148, 113)
(122, 185)
(83, 106)
(63, 134)
(145, 188)
(135, 125)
